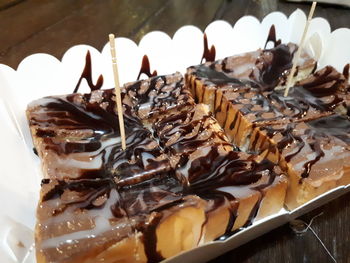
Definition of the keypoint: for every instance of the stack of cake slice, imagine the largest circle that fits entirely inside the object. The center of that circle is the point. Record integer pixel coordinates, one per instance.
(82, 215)
(164, 194)
(236, 188)
(248, 107)
(203, 159)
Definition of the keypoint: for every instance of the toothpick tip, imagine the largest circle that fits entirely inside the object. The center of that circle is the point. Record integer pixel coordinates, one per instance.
(111, 37)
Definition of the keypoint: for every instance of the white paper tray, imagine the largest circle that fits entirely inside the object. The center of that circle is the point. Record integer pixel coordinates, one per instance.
(40, 75)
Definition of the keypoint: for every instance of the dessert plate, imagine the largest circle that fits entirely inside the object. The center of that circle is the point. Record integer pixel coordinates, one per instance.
(41, 75)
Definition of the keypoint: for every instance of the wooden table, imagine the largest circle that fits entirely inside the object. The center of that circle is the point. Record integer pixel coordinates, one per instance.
(52, 26)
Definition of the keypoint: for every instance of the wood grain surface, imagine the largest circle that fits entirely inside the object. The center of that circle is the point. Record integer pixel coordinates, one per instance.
(52, 26)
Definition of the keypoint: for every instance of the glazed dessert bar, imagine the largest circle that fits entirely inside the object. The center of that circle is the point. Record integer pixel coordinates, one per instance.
(76, 137)
(154, 200)
(205, 161)
(206, 156)
(97, 201)
(148, 98)
(233, 88)
(87, 175)
(248, 109)
(315, 153)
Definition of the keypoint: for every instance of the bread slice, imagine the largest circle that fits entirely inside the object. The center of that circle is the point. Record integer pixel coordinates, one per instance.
(259, 119)
(237, 89)
(315, 154)
(79, 220)
(238, 187)
(164, 194)
(77, 136)
(148, 98)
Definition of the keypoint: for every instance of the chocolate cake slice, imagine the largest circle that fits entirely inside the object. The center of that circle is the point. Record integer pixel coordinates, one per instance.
(90, 182)
(77, 136)
(315, 154)
(208, 163)
(201, 154)
(252, 109)
(261, 69)
(83, 221)
(235, 89)
(148, 98)
(323, 93)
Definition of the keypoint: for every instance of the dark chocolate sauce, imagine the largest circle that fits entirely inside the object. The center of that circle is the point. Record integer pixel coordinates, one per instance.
(325, 82)
(87, 75)
(208, 54)
(85, 191)
(334, 125)
(320, 130)
(146, 68)
(220, 78)
(218, 170)
(253, 212)
(274, 62)
(272, 37)
(217, 199)
(150, 240)
(35, 151)
(179, 125)
(288, 138)
(315, 146)
(346, 71)
(271, 65)
(158, 97)
(300, 102)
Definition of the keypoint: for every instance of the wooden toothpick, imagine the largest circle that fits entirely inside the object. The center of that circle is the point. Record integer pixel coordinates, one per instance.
(117, 90)
(297, 56)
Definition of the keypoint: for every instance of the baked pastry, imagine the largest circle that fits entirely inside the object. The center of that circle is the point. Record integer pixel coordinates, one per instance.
(233, 88)
(77, 136)
(181, 182)
(252, 113)
(204, 160)
(153, 200)
(315, 154)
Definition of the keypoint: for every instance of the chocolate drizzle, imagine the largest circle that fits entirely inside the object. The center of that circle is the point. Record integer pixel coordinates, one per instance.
(266, 71)
(145, 68)
(216, 170)
(315, 146)
(220, 78)
(300, 102)
(150, 240)
(87, 75)
(181, 125)
(274, 62)
(272, 37)
(208, 54)
(152, 96)
(325, 82)
(85, 191)
(346, 71)
(181, 152)
(334, 125)
(312, 134)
